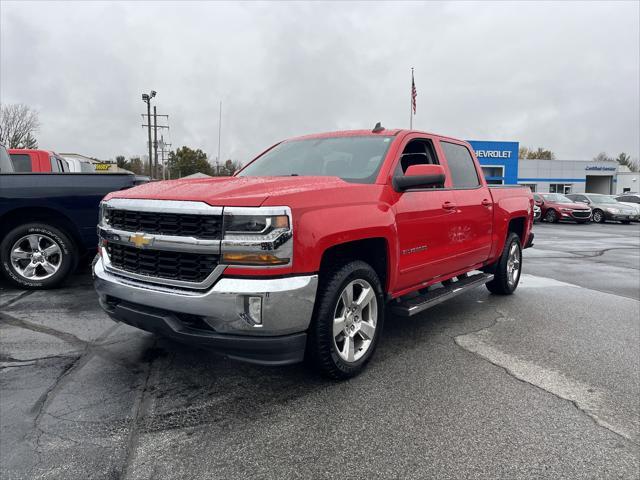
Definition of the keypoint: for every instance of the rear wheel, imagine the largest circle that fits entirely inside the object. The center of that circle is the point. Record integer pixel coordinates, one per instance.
(507, 270)
(37, 255)
(598, 216)
(347, 321)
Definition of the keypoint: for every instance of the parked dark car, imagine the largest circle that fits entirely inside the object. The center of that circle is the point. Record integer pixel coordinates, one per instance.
(605, 208)
(48, 221)
(556, 207)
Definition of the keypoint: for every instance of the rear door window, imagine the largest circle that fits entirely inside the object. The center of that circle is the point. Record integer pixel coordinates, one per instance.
(55, 165)
(461, 166)
(21, 162)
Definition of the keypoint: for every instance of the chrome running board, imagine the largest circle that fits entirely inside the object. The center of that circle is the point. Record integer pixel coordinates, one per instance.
(419, 303)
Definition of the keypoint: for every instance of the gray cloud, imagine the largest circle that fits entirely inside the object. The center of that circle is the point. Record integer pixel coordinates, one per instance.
(564, 76)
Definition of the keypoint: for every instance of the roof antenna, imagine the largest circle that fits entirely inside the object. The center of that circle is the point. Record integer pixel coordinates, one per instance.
(378, 128)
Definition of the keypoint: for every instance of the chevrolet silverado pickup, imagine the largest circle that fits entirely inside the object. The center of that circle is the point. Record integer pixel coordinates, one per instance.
(48, 221)
(302, 253)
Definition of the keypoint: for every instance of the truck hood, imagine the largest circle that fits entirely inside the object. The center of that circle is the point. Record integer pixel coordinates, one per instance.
(230, 191)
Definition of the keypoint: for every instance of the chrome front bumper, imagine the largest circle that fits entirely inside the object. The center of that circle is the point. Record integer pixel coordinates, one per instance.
(287, 303)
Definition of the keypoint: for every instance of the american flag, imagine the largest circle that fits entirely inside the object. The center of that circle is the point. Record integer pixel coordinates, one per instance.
(414, 93)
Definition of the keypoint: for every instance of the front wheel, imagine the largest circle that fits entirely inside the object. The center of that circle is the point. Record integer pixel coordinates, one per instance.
(347, 321)
(598, 216)
(507, 270)
(551, 216)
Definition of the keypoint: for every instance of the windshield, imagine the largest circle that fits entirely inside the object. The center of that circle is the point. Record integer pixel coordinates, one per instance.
(556, 197)
(601, 199)
(354, 159)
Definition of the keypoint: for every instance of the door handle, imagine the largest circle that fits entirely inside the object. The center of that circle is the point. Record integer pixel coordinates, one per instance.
(486, 203)
(449, 206)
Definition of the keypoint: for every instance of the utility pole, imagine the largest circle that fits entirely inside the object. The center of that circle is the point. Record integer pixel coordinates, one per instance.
(219, 136)
(155, 141)
(153, 171)
(165, 171)
(146, 98)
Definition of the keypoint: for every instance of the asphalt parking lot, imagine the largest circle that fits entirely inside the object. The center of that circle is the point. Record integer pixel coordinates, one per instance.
(542, 384)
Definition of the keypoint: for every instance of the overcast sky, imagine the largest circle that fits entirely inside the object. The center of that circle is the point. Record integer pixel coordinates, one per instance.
(564, 76)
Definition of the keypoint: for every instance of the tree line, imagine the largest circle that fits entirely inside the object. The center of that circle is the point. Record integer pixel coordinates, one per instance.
(182, 162)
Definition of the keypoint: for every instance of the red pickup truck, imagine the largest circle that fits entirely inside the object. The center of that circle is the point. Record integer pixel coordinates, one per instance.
(303, 251)
(38, 161)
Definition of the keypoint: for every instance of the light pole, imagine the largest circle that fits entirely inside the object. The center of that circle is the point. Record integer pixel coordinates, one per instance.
(146, 98)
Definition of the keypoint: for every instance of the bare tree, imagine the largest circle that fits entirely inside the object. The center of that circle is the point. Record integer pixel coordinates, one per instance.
(18, 125)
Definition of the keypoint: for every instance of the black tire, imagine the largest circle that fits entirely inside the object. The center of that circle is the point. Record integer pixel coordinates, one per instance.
(598, 216)
(501, 284)
(65, 260)
(551, 216)
(322, 351)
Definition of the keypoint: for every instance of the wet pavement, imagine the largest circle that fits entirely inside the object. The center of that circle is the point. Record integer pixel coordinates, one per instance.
(541, 384)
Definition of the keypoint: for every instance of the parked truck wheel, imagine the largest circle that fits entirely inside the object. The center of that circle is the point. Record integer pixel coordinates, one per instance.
(37, 256)
(507, 270)
(347, 321)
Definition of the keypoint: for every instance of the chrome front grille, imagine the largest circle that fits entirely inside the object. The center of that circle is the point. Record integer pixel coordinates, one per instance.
(183, 266)
(581, 213)
(166, 242)
(207, 227)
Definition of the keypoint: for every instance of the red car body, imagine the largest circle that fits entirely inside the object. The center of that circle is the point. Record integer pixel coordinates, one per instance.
(555, 208)
(37, 161)
(428, 235)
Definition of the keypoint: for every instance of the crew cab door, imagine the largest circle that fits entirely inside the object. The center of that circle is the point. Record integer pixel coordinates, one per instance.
(424, 218)
(471, 236)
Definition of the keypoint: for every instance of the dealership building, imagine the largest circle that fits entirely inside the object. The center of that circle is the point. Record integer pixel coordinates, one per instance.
(501, 165)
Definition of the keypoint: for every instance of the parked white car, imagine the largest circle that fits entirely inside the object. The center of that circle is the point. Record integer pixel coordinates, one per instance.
(629, 200)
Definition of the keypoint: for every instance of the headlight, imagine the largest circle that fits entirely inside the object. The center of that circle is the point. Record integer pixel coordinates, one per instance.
(254, 224)
(568, 210)
(257, 236)
(612, 210)
(102, 220)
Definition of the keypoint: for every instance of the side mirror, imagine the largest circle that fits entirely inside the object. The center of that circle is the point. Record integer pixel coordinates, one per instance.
(422, 176)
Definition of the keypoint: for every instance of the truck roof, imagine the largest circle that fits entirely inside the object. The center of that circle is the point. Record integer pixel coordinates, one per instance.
(361, 133)
(30, 150)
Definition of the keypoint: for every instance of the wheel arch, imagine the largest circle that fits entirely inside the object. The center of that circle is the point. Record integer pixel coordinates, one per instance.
(372, 250)
(50, 216)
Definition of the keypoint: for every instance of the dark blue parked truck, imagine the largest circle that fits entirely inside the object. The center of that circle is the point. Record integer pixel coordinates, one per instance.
(48, 221)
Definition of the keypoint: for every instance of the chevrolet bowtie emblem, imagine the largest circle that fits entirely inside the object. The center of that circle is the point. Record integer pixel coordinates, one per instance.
(139, 240)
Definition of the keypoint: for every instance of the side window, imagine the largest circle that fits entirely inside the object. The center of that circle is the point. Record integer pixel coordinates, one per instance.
(21, 162)
(463, 171)
(64, 165)
(418, 152)
(55, 166)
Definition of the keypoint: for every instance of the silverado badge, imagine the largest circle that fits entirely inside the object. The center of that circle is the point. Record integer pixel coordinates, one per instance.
(139, 240)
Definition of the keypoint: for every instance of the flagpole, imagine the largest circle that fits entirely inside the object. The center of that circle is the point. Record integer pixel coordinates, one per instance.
(411, 102)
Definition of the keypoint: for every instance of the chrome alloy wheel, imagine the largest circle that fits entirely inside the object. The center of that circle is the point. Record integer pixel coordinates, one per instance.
(36, 257)
(355, 320)
(513, 264)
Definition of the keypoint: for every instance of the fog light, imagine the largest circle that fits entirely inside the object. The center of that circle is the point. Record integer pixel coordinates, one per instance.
(255, 309)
